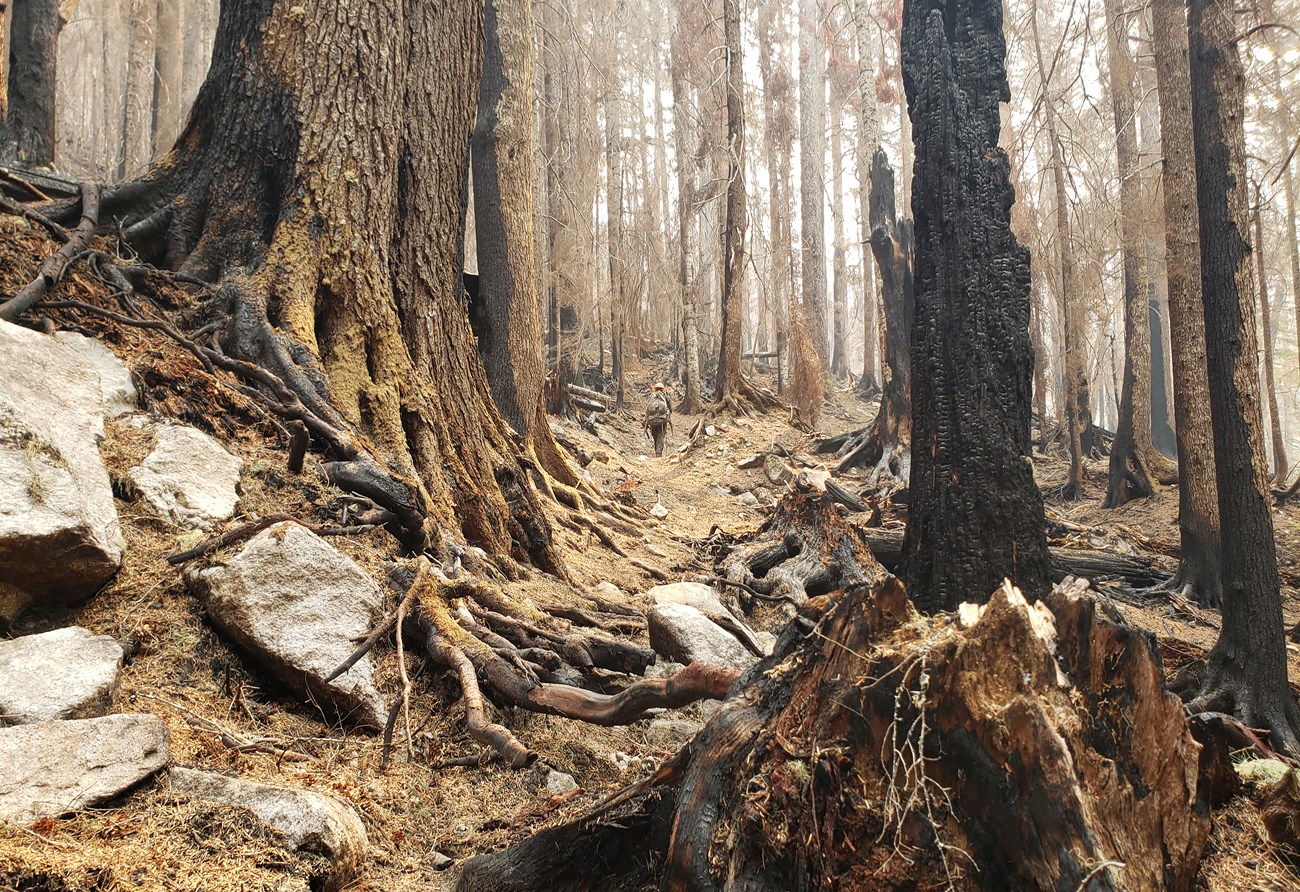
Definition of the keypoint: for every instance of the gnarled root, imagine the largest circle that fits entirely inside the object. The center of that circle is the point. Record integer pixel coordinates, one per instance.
(523, 657)
(804, 549)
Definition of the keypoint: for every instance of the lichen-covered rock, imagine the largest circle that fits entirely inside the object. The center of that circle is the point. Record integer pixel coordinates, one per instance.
(56, 768)
(189, 478)
(64, 674)
(312, 822)
(115, 385)
(297, 607)
(59, 535)
(683, 633)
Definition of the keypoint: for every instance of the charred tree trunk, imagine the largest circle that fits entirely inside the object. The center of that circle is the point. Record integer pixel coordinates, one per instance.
(975, 515)
(1131, 456)
(1198, 500)
(508, 321)
(27, 133)
(1246, 671)
(886, 443)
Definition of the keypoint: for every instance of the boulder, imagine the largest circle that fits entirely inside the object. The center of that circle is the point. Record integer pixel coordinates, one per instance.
(312, 822)
(683, 633)
(59, 535)
(694, 594)
(56, 768)
(609, 592)
(64, 674)
(558, 783)
(189, 478)
(115, 385)
(297, 607)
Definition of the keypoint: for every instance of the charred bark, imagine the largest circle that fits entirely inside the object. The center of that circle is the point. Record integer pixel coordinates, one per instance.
(975, 515)
(1246, 671)
(885, 445)
(27, 129)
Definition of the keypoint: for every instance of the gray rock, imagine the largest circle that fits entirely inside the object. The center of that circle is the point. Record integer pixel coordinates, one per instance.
(683, 633)
(64, 674)
(710, 431)
(59, 535)
(748, 500)
(694, 594)
(663, 669)
(777, 472)
(115, 385)
(558, 783)
(189, 478)
(298, 607)
(56, 768)
(671, 733)
(312, 822)
(764, 497)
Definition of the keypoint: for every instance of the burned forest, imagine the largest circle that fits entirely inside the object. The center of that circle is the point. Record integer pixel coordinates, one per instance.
(562, 446)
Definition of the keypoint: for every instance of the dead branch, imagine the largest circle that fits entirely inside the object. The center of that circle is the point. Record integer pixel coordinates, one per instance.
(56, 264)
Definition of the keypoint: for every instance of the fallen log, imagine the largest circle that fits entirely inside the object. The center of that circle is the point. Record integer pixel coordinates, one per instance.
(887, 546)
(592, 396)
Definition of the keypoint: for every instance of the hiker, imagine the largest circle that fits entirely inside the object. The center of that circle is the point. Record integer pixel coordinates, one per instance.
(658, 416)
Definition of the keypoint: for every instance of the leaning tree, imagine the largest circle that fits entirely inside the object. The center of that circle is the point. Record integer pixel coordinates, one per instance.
(319, 189)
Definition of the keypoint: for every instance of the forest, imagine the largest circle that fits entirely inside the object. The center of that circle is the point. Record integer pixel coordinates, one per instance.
(616, 445)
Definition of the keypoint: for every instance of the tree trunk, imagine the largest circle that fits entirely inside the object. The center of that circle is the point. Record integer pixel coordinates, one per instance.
(812, 173)
(27, 134)
(733, 271)
(137, 121)
(508, 318)
(839, 257)
(1246, 672)
(1199, 567)
(865, 149)
(1280, 468)
(1077, 416)
(6, 22)
(1294, 244)
(614, 222)
(975, 516)
(778, 142)
(1132, 454)
(686, 198)
(167, 109)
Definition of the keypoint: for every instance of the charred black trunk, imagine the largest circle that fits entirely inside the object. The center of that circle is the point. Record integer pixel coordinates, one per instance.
(975, 515)
(27, 131)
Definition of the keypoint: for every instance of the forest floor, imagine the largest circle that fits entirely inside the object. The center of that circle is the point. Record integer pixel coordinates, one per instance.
(421, 805)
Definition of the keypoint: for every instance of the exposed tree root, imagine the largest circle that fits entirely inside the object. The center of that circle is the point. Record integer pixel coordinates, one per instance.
(1222, 683)
(56, 264)
(804, 549)
(1131, 476)
(746, 399)
(882, 751)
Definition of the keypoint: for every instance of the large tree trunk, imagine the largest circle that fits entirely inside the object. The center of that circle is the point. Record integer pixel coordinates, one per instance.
(1198, 500)
(27, 132)
(975, 515)
(778, 142)
(1293, 243)
(1280, 467)
(812, 173)
(6, 23)
(137, 120)
(1246, 671)
(1132, 454)
(614, 187)
(1077, 416)
(864, 150)
(508, 321)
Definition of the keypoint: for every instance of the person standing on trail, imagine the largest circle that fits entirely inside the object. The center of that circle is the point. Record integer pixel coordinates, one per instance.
(658, 416)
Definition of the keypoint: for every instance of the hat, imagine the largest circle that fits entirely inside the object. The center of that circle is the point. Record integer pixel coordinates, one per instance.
(661, 386)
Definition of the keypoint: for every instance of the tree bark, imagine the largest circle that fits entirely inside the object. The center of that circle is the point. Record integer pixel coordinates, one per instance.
(1199, 567)
(1293, 242)
(28, 128)
(812, 173)
(975, 515)
(865, 149)
(733, 271)
(618, 285)
(1281, 469)
(168, 50)
(1246, 672)
(508, 319)
(137, 121)
(778, 142)
(686, 198)
(6, 23)
(1078, 417)
(1132, 454)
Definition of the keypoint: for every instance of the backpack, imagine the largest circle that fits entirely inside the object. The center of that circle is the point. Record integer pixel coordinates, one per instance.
(656, 408)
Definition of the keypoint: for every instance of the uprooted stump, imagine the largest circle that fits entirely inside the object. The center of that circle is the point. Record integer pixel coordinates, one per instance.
(804, 549)
(1010, 747)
